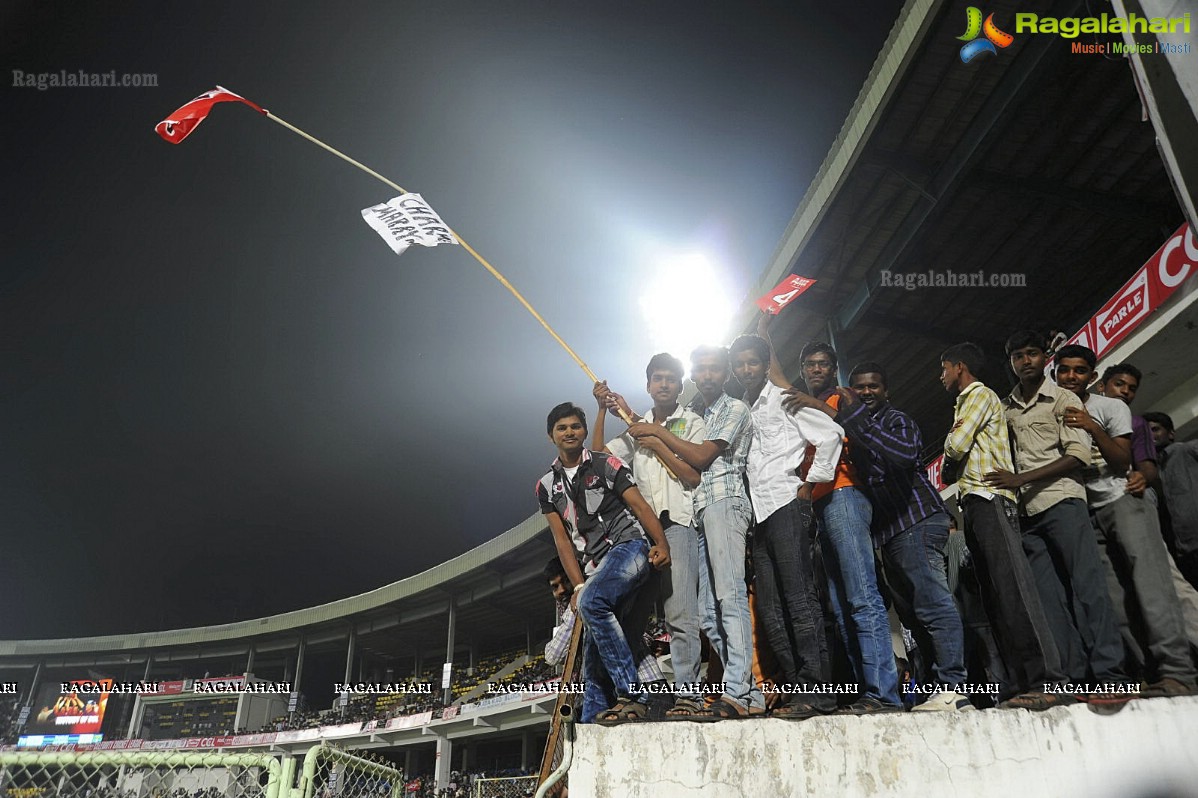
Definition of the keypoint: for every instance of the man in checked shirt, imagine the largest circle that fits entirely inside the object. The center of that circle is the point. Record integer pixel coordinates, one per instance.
(979, 443)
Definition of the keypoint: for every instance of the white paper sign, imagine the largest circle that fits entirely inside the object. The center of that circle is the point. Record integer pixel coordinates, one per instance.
(406, 220)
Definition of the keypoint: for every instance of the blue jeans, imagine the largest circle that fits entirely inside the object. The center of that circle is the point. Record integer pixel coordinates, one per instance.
(605, 606)
(845, 516)
(680, 603)
(914, 562)
(724, 596)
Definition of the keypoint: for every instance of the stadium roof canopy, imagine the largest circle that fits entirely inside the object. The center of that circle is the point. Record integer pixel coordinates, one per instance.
(1035, 161)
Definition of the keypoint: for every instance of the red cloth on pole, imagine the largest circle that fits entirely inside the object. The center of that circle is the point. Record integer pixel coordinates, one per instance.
(179, 125)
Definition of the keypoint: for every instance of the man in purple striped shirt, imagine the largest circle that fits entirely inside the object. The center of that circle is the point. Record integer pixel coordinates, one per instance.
(910, 526)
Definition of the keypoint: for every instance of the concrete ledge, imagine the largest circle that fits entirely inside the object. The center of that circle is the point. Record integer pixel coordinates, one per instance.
(1148, 749)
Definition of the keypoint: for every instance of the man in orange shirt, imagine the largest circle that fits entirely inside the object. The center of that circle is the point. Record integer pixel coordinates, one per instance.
(843, 515)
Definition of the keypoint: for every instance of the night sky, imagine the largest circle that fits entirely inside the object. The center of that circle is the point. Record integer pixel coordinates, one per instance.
(222, 396)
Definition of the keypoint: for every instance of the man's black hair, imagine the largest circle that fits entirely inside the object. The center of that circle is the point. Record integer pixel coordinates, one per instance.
(1024, 338)
(555, 568)
(968, 353)
(706, 350)
(664, 361)
(1078, 351)
(1160, 418)
(870, 367)
(754, 342)
(565, 410)
(814, 348)
(1123, 368)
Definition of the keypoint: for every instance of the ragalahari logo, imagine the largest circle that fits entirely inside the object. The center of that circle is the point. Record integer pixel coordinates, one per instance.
(974, 27)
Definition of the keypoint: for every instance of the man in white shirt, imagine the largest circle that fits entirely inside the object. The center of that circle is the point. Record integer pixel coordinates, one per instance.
(787, 601)
(668, 483)
(1133, 552)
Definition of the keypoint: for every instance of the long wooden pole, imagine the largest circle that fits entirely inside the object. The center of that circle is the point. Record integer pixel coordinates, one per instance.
(494, 272)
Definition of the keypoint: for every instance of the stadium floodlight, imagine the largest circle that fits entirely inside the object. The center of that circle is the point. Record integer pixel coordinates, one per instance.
(685, 303)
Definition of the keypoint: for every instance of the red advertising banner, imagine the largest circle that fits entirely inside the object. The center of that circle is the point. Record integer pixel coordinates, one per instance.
(1172, 265)
(784, 293)
(1084, 336)
(934, 470)
(1147, 290)
(1122, 313)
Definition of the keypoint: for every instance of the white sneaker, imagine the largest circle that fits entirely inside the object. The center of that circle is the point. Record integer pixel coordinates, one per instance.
(945, 701)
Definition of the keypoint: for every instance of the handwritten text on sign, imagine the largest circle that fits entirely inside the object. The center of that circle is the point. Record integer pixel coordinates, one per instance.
(784, 293)
(406, 220)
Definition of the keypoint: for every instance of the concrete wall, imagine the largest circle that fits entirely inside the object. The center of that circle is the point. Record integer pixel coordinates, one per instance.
(1148, 749)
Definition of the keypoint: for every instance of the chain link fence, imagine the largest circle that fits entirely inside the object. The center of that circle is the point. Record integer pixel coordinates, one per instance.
(332, 773)
(510, 787)
(139, 775)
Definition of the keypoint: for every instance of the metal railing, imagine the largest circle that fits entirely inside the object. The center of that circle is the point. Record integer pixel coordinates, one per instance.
(510, 787)
(330, 772)
(112, 774)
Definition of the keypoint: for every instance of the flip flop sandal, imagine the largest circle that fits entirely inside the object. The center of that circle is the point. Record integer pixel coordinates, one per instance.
(689, 709)
(727, 709)
(628, 711)
(796, 710)
(1038, 702)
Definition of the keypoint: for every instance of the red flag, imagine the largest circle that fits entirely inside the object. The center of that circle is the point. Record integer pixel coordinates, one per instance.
(784, 293)
(179, 125)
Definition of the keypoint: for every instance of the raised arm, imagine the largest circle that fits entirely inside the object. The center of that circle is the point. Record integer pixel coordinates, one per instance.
(775, 374)
(598, 439)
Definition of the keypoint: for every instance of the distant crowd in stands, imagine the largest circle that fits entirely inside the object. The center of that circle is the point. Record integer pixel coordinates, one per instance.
(462, 784)
(186, 719)
(779, 529)
(383, 707)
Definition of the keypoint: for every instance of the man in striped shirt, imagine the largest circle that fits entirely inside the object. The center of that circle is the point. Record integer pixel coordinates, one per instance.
(979, 443)
(909, 526)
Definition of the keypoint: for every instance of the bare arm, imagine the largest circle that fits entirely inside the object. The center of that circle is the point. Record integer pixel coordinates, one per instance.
(565, 549)
(1117, 451)
(775, 373)
(1058, 468)
(598, 439)
(697, 455)
(687, 474)
(659, 553)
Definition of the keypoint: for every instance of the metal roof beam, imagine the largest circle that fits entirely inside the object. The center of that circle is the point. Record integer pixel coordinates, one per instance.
(976, 140)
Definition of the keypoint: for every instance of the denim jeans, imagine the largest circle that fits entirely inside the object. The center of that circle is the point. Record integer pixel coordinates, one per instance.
(914, 563)
(857, 606)
(787, 601)
(722, 529)
(606, 606)
(680, 602)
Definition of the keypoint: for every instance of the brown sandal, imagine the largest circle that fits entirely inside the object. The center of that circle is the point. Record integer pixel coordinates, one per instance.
(625, 711)
(690, 709)
(1038, 702)
(796, 710)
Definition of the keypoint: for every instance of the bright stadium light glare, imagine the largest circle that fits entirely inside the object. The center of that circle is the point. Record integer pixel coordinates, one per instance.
(685, 303)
